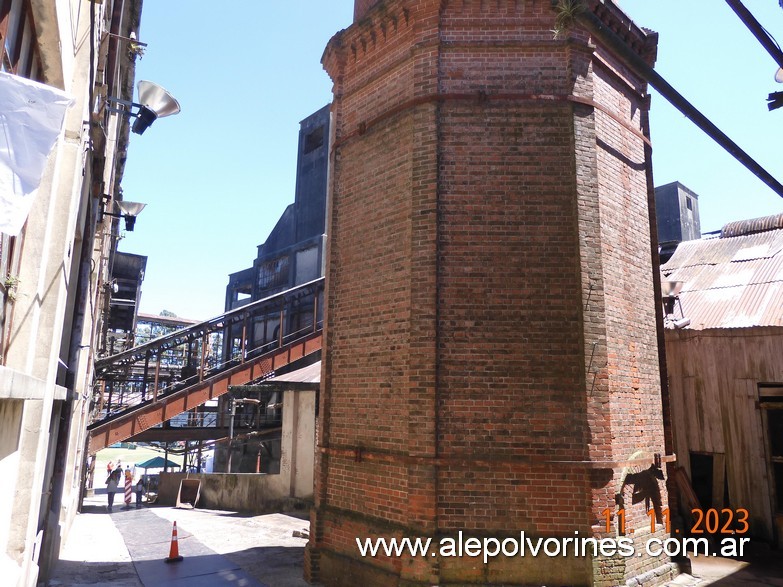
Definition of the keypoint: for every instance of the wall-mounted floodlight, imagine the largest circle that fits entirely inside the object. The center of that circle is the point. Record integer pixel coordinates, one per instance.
(154, 102)
(128, 211)
(670, 291)
(671, 288)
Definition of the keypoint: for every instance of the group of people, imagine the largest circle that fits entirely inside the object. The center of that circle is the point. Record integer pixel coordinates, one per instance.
(116, 481)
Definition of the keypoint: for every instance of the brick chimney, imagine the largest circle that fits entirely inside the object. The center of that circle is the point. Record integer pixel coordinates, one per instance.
(490, 363)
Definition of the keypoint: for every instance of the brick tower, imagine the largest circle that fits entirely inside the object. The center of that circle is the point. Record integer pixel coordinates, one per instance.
(491, 363)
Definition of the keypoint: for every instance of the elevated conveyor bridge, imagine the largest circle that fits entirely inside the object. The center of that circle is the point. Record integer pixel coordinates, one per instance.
(155, 398)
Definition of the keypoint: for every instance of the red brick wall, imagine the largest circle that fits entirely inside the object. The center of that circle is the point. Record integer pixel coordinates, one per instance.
(362, 7)
(490, 348)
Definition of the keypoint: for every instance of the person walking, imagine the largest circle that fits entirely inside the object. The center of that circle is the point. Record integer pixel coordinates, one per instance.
(112, 484)
(139, 492)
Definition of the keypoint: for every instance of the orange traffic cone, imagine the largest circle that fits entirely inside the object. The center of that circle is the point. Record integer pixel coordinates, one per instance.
(174, 556)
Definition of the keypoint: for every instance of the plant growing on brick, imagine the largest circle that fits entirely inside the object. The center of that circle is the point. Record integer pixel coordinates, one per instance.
(136, 50)
(567, 12)
(10, 283)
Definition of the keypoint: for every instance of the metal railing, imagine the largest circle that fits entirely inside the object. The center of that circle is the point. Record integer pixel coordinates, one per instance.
(144, 374)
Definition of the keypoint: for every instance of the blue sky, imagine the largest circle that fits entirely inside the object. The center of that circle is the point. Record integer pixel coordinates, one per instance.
(217, 176)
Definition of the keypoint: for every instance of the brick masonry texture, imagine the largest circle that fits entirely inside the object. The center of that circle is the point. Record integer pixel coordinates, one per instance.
(491, 362)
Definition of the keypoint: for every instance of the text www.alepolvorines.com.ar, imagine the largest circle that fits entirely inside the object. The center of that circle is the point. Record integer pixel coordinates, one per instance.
(489, 548)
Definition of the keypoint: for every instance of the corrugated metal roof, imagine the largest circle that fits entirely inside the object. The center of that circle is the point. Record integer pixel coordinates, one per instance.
(762, 245)
(309, 374)
(744, 227)
(734, 282)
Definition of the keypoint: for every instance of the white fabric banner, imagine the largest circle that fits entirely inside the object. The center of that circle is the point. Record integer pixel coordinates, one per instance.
(31, 118)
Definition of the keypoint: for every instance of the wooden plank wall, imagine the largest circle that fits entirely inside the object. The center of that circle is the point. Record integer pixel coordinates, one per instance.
(713, 383)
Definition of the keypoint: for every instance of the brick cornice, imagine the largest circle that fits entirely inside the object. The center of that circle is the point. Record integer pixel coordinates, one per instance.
(383, 22)
(642, 41)
(481, 97)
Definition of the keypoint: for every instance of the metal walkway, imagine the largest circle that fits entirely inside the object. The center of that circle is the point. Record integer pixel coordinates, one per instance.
(298, 335)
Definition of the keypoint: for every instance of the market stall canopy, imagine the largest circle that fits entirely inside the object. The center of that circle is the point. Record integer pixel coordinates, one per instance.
(158, 463)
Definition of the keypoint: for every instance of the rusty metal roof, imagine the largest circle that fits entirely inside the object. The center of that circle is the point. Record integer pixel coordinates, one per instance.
(309, 374)
(732, 282)
(762, 224)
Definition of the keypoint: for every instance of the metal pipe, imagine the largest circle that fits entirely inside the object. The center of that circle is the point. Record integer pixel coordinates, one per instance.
(231, 433)
(157, 380)
(646, 72)
(203, 355)
(244, 341)
(146, 374)
(758, 31)
(280, 329)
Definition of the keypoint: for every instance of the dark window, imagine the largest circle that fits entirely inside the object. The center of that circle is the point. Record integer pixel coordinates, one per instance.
(18, 44)
(775, 433)
(273, 274)
(314, 140)
(771, 399)
(775, 428)
(701, 478)
(689, 203)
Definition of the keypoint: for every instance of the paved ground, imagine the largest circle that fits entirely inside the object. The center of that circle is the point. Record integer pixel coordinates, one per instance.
(127, 548)
(763, 567)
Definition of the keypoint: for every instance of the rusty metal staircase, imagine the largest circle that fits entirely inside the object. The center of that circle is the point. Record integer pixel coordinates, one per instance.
(298, 336)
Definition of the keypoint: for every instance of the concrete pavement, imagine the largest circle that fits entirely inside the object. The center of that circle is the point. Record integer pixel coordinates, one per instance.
(127, 548)
(762, 568)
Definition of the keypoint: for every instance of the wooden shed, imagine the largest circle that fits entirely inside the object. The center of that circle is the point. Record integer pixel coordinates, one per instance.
(725, 370)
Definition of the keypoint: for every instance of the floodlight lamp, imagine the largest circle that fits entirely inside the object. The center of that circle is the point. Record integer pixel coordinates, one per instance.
(155, 102)
(671, 288)
(128, 211)
(131, 208)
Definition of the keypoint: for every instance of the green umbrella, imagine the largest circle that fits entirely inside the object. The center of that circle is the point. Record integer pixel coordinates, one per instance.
(158, 463)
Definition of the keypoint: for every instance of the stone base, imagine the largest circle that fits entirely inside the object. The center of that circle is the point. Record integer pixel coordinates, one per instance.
(341, 570)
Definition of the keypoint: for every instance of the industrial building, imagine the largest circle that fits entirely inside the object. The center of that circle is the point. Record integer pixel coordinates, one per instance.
(292, 255)
(725, 373)
(187, 386)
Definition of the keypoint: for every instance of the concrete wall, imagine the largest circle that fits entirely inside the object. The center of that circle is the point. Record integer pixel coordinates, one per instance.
(50, 324)
(239, 492)
(251, 492)
(297, 459)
